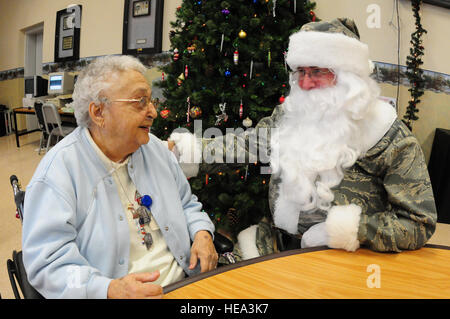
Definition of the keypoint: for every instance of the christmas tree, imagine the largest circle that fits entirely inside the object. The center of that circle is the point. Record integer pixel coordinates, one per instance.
(229, 71)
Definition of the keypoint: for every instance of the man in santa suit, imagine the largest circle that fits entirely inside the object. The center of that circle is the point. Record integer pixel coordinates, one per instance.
(346, 171)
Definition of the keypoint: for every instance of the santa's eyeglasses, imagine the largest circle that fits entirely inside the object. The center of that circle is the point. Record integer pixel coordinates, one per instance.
(313, 73)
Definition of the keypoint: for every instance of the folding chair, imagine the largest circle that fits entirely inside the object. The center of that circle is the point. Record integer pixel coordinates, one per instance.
(52, 122)
(41, 122)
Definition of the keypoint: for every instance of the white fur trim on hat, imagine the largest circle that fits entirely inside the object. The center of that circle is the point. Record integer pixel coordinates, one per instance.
(342, 227)
(188, 152)
(328, 50)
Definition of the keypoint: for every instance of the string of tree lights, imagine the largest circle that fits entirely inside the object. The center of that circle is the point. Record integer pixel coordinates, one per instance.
(413, 70)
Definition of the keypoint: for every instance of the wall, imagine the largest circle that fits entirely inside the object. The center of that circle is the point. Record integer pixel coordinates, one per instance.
(101, 34)
(435, 107)
(101, 27)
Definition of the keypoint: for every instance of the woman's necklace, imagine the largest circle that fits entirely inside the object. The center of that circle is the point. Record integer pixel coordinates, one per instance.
(142, 213)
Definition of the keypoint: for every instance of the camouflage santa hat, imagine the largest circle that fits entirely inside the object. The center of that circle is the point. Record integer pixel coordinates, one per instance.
(333, 45)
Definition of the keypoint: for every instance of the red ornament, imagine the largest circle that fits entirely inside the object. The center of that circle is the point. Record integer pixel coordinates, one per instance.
(313, 15)
(186, 71)
(164, 113)
(176, 55)
(281, 99)
(241, 110)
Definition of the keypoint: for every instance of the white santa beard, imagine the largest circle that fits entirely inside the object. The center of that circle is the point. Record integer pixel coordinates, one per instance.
(317, 140)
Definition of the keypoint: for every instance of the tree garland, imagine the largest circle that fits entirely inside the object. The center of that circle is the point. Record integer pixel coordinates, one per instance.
(413, 70)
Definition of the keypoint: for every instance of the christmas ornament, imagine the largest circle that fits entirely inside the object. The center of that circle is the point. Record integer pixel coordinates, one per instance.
(285, 63)
(176, 55)
(242, 34)
(195, 112)
(247, 122)
(180, 79)
(162, 76)
(227, 73)
(274, 3)
(164, 113)
(269, 58)
(188, 101)
(236, 57)
(313, 15)
(186, 72)
(281, 99)
(225, 12)
(191, 48)
(221, 42)
(241, 110)
(223, 116)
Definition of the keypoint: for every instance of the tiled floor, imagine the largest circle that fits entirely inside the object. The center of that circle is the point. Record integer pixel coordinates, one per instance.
(22, 162)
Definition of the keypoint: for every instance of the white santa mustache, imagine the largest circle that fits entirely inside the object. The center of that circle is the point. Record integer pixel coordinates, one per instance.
(318, 140)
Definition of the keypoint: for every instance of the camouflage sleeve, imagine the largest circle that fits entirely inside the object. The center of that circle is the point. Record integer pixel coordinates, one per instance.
(409, 219)
(239, 146)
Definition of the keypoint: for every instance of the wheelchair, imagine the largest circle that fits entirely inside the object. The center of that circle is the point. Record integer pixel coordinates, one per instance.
(16, 270)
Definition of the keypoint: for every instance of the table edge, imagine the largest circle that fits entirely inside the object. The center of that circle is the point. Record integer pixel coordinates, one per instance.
(179, 284)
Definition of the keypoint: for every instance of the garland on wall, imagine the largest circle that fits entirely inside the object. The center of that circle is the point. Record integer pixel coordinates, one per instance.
(413, 70)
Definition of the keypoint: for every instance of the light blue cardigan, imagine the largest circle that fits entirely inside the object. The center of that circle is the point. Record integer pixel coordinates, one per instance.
(75, 234)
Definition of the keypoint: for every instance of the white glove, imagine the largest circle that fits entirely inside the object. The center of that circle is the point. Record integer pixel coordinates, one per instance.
(316, 235)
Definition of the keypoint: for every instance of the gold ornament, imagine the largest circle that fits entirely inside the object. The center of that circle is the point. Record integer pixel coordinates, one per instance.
(247, 122)
(242, 34)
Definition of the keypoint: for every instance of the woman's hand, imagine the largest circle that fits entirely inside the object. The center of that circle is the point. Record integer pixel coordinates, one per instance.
(135, 286)
(203, 249)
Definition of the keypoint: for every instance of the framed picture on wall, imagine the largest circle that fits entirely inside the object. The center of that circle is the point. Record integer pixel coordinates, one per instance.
(142, 27)
(67, 34)
(141, 8)
(440, 3)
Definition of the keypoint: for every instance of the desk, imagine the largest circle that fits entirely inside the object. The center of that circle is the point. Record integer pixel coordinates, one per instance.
(322, 273)
(25, 110)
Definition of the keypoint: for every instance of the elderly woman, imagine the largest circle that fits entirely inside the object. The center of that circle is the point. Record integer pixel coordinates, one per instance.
(108, 212)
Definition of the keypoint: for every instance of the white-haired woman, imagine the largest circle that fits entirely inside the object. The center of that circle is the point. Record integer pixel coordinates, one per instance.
(108, 212)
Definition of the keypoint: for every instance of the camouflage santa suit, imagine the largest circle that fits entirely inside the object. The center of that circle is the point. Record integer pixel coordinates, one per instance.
(390, 183)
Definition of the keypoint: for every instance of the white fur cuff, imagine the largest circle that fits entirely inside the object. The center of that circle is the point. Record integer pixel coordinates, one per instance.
(188, 151)
(342, 227)
(247, 242)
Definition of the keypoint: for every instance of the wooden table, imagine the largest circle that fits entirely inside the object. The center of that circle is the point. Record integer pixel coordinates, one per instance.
(26, 110)
(322, 273)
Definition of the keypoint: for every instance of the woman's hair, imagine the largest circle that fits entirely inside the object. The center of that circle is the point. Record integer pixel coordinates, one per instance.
(92, 81)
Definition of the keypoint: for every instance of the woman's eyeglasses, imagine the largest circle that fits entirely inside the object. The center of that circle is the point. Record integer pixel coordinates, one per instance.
(141, 103)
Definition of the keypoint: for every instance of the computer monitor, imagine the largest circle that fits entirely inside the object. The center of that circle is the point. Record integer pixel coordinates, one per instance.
(35, 85)
(60, 83)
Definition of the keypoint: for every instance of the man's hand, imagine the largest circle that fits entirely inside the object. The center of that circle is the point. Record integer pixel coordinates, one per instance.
(135, 286)
(203, 249)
